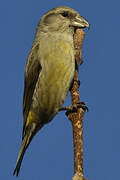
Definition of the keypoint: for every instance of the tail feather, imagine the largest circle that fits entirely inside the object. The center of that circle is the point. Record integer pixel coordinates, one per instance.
(31, 131)
(20, 156)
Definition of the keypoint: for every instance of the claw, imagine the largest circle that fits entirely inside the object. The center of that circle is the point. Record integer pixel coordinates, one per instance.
(74, 107)
(83, 106)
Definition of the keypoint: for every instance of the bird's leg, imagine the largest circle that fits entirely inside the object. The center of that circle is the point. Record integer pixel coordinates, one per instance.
(74, 107)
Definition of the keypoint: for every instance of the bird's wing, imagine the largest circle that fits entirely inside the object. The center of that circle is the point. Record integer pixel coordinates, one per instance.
(33, 68)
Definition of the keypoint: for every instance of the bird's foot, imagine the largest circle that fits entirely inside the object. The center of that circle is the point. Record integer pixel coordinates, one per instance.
(74, 107)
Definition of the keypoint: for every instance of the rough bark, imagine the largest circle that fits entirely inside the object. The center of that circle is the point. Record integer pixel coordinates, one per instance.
(77, 117)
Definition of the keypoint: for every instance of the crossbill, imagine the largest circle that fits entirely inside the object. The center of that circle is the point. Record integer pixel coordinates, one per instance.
(49, 71)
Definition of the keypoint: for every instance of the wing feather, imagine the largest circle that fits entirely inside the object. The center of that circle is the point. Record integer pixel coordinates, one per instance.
(33, 68)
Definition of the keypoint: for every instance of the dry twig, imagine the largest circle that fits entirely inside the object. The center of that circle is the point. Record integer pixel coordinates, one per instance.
(77, 117)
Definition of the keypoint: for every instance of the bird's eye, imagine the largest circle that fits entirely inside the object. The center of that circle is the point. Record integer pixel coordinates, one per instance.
(64, 14)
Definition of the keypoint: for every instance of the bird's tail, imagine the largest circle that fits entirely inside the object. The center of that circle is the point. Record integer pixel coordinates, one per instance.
(25, 142)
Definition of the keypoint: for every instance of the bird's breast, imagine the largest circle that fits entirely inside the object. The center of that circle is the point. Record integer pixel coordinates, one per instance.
(57, 61)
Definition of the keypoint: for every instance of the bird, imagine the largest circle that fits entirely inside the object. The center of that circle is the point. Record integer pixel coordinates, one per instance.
(49, 71)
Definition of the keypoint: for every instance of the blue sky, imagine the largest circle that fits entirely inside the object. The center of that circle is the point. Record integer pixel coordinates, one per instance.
(50, 155)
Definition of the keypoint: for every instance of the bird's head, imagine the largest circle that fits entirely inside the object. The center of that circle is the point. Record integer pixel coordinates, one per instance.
(62, 19)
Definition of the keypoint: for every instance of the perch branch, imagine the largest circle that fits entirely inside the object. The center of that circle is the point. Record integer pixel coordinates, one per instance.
(77, 117)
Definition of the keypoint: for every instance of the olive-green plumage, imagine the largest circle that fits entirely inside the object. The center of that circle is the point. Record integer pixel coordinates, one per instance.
(49, 71)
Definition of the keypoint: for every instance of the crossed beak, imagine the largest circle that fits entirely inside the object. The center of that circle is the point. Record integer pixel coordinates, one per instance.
(80, 22)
